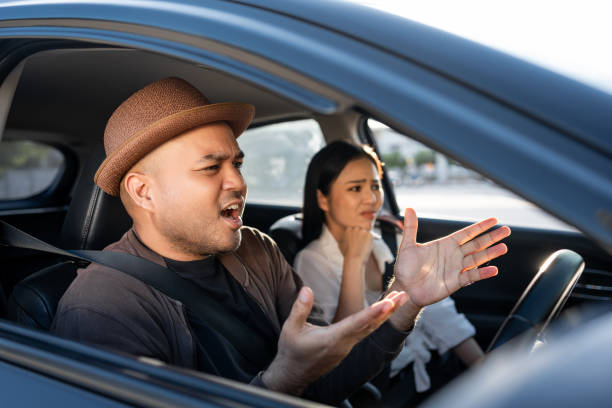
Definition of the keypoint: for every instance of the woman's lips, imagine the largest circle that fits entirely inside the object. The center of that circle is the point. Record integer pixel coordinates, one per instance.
(370, 215)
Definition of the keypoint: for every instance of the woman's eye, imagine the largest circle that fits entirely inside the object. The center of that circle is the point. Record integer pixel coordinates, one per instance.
(376, 187)
(238, 165)
(355, 189)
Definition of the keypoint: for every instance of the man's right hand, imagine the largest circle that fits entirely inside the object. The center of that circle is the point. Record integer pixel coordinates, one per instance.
(307, 351)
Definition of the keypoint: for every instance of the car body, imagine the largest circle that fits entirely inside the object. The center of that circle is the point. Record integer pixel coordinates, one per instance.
(65, 65)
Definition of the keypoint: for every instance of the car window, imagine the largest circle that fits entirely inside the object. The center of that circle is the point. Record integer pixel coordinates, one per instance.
(276, 160)
(438, 187)
(27, 168)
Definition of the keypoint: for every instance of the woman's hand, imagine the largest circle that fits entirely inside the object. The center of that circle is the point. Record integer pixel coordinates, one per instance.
(356, 244)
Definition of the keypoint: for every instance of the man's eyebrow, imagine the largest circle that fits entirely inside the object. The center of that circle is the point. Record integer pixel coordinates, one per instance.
(220, 156)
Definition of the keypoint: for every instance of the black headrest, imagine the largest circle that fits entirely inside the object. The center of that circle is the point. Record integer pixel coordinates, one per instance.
(287, 232)
(94, 219)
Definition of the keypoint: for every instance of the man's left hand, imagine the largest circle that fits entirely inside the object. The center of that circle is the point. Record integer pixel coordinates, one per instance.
(432, 271)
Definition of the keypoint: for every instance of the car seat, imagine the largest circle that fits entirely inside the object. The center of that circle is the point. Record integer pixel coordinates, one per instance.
(287, 232)
(93, 221)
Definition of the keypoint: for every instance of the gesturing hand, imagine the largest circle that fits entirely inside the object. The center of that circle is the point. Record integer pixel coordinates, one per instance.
(432, 271)
(306, 351)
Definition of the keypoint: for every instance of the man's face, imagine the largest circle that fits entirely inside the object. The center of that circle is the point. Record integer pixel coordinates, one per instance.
(199, 191)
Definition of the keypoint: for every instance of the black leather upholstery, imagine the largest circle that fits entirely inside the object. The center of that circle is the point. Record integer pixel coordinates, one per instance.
(93, 221)
(94, 218)
(287, 232)
(34, 300)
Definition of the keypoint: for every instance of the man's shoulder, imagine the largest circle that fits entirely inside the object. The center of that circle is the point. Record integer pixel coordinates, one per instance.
(99, 287)
(257, 243)
(252, 235)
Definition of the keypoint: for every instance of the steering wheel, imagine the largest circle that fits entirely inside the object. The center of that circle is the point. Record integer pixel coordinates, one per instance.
(542, 300)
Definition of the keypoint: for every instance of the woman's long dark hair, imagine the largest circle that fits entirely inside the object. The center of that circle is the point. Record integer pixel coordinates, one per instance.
(323, 170)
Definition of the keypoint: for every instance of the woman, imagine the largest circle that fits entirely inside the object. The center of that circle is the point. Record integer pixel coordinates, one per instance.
(344, 258)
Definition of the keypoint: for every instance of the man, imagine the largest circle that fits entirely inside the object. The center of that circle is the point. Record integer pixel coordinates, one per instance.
(173, 159)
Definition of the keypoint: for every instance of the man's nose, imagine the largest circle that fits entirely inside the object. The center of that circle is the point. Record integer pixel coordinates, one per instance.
(233, 180)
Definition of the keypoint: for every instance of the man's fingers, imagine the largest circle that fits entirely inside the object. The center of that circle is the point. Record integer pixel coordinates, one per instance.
(367, 320)
(411, 225)
(398, 298)
(485, 240)
(300, 310)
(474, 275)
(480, 257)
(464, 235)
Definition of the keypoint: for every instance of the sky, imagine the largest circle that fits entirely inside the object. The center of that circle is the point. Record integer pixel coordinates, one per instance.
(573, 38)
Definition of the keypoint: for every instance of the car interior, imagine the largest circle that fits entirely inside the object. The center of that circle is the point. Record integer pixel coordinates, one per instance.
(64, 92)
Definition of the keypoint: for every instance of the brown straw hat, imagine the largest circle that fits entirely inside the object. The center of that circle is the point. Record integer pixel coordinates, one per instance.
(154, 115)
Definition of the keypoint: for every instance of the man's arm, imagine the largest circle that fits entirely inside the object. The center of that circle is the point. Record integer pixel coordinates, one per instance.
(424, 274)
(306, 352)
(364, 362)
(100, 329)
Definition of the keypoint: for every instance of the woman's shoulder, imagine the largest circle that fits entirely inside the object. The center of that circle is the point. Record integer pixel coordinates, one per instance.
(312, 251)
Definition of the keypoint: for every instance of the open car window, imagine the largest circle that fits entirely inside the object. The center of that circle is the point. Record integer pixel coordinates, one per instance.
(276, 160)
(27, 168)
(439, 187)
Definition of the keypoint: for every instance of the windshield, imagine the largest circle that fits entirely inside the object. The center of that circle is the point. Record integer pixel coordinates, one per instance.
(570, 38)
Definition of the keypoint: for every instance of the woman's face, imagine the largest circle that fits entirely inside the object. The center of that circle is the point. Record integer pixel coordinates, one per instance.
(354, 197)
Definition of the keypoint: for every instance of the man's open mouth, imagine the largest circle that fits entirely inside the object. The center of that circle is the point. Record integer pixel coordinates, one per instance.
(231, 213)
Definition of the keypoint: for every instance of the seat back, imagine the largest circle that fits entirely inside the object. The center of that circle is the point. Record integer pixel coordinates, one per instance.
(94, 218)
(93, 221)
(34, 300)
(287, 232)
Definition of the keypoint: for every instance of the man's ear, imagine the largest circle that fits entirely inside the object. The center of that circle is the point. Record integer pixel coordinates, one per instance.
(322, 201)
(138, 187)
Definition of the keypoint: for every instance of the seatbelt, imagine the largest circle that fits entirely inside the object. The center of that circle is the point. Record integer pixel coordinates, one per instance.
(245, 340)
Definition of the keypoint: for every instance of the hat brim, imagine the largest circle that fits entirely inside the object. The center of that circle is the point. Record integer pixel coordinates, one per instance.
(237, 115)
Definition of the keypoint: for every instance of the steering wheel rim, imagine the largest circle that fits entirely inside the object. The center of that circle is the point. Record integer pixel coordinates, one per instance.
(543, 298)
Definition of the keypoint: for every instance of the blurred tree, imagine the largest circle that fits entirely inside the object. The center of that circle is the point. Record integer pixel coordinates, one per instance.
(394, 160)
(424, 156)
(27, 155)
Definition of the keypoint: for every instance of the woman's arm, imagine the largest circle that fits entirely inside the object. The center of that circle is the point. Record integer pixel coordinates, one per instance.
(356, 248)
(352, 288)
(468, 351)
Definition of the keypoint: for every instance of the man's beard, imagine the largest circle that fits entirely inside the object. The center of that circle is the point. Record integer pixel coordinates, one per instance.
(194, 242)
